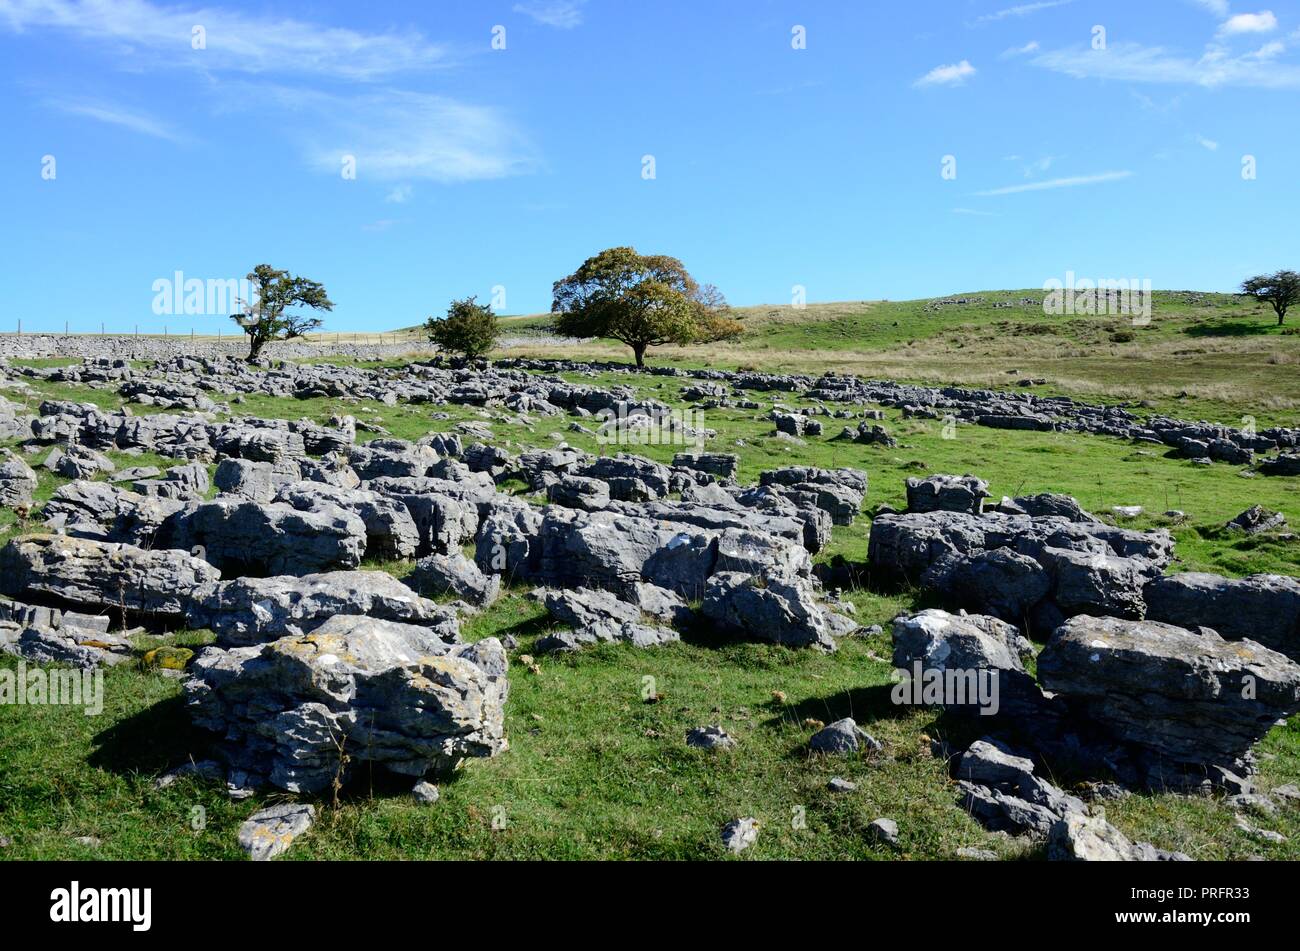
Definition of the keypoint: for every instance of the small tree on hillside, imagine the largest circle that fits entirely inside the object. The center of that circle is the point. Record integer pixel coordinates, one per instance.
(1281, 290)
(469, 329)
(265, 319)
(643, 300)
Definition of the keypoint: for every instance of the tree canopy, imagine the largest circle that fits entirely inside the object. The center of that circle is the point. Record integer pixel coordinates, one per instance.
(470, 328)
(1280, 289)
(266, 317)
(642, 300)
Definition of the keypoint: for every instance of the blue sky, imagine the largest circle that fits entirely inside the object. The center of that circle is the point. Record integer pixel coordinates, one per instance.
(774, 166)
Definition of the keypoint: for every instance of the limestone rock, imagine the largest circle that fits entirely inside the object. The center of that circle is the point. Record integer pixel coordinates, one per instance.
(1193, 698)
(270, 832)
(843, 736)
(246, 537)
(246, 611)
(391, 694)
(102, 575)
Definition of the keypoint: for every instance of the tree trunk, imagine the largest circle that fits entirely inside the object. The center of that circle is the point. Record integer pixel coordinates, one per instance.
(255, 345)
(639, 350)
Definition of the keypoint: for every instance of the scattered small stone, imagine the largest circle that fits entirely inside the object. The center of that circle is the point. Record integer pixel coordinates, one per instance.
(977, 855)
(425, 792)
(710, 738)
(1290, 792)
(842, 736)
(90, 841)
(270, 832)
(1256, 520)
(1249, 828)
(884, 831)
(740, 834)
(1252, 802)
(839, 784)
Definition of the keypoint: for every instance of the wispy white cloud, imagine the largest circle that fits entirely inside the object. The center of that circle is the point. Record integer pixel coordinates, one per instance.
(1268, 51)
(974, 212)
(1020, 10)
(562, 14)
(1218, 7)
(1264, 22)
(952, 75)
(1074, 182)
(113, 114)
(394, 135)
(1039, 166)
(1205, 143)
(232, 40)
(1030, 47)
(1133, 62)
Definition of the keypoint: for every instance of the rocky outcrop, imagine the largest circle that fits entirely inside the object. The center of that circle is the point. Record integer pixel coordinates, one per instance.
(594, 616)
(1021, 568)
(947, 493)
(945, 654)
(302, 710)
(1190, 698)
(102, 575)
(242, 537)
(1000, 789)
(1256, 520)
(108, 513)
(1261, 608)
(17, 481)
(390, 530)
(49, 636)
(457, 576)
(772, 606)
(258, 481)
(246, 611)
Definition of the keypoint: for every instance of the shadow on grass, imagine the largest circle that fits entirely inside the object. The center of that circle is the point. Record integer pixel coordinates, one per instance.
(1236, 328)
(863, 704)
(521, 630)
(150, 742)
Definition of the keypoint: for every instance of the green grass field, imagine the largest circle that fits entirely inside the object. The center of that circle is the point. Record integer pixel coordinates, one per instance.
(594, 771)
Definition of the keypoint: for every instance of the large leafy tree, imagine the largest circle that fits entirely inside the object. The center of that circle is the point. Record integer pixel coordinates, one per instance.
(266, 317)
(643, 300)
(1281, 290)
(469, 328)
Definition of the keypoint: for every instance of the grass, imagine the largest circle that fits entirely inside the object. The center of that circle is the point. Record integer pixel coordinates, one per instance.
(595, 771)
(1211, 356)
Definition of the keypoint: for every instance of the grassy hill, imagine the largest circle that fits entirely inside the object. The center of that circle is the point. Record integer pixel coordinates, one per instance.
(1215, 356)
